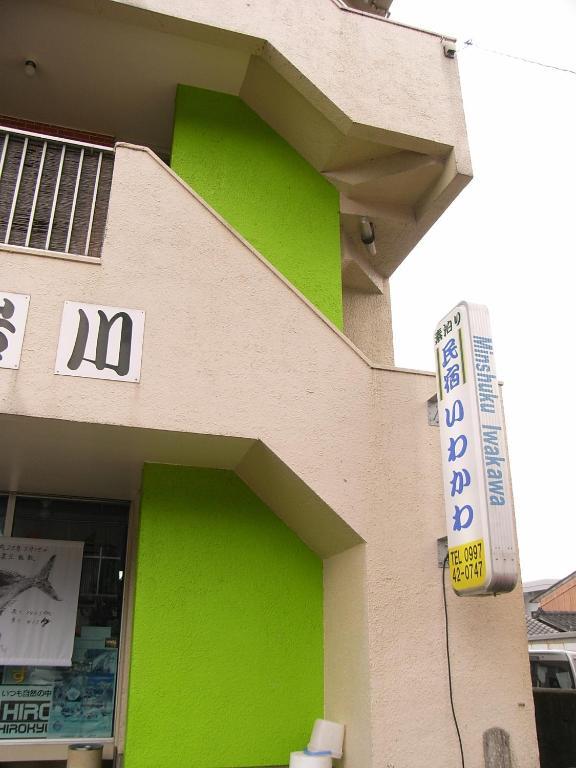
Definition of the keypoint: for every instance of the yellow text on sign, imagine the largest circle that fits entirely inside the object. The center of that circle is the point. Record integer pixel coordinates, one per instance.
(467, 565)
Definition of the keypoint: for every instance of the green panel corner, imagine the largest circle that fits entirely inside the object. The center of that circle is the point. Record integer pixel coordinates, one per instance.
(227, 657)
(256, 181)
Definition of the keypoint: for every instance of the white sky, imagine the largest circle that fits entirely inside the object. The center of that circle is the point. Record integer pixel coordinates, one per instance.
(508, 242)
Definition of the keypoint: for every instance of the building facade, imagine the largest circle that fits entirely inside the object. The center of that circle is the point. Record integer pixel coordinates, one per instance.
(200, 207)
(551, 614)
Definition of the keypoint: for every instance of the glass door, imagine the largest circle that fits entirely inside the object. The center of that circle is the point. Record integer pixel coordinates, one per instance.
(81, 697)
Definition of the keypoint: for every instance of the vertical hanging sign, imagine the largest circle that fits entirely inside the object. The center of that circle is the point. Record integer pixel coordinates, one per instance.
(477, 490)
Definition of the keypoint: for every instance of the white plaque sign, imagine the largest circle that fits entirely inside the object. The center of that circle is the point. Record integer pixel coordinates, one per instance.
(477, 490)
(99, 342)
(13, 315)
(39, 584)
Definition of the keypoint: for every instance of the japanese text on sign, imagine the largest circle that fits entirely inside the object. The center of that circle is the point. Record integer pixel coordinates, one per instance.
(482, 550)
(13, 315)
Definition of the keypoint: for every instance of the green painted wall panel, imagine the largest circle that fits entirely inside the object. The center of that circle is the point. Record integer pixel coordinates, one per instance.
(227, 649)
(264, 189)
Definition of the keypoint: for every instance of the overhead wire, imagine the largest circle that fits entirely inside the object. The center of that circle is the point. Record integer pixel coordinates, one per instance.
(472, 44)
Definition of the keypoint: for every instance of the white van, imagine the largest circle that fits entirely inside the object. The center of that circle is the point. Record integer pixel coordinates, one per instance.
(553, 669)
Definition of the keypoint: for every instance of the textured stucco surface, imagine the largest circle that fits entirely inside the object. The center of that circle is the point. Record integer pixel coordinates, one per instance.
(227, 639)
(264, 189)
(417, 90)
(490, 670)
(347, 652)
(231, 349)
(367, 323)
(373, 105)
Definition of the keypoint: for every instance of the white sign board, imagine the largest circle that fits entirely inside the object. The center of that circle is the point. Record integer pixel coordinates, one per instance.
(13, 315)
(100, 342)
(39, 585)
(477, 490)
(25, 711)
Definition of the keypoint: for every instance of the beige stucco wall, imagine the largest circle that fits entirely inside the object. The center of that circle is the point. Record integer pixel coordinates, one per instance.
(487, 635)
(374, 105)
(368, 323)
(231, 349)
(416, 93)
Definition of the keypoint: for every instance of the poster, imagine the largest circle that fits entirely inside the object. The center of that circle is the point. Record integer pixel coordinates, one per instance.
(24, 711)
(83, 698)
(39, 584)
(70, 702)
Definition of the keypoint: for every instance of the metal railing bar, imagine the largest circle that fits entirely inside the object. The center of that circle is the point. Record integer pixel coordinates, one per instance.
(55, 139)
(74, 201)
(93, 207)
(4, 150)
(45, 166)
(54, 201)
(36, 191)
(16, 190)
(51, 254)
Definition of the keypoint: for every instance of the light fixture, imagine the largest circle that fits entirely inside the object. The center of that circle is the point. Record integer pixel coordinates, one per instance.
(368, 234)
(449, 47)
(30, 67)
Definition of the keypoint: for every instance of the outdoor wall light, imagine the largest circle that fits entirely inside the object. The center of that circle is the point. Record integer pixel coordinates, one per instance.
(449, 47)
(30, 67)
(368, 234)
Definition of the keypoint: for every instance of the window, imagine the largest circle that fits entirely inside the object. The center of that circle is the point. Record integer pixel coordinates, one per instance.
(82, 697)
(551, 674)
(53, 193)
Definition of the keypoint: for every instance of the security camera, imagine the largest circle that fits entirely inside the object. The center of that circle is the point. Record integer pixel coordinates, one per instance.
(449, 48)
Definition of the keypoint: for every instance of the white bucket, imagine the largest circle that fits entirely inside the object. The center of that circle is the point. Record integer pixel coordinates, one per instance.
(302, 760)
(327, 737)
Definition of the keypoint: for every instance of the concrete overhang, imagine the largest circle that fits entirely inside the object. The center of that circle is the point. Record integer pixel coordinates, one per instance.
(390, 136)
(87, 460)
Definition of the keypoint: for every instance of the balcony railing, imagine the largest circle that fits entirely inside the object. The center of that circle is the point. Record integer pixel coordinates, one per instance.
(53, 193)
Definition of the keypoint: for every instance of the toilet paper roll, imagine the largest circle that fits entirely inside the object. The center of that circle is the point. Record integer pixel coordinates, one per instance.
(302, 760)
